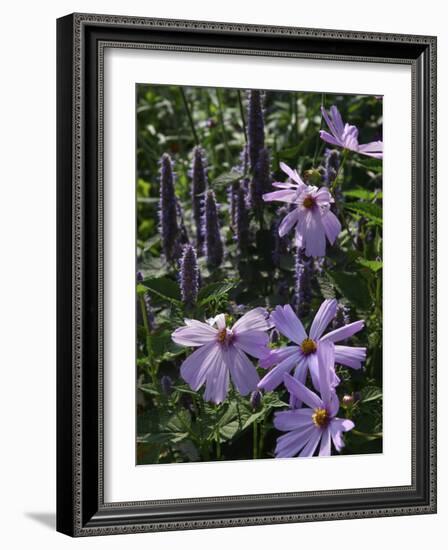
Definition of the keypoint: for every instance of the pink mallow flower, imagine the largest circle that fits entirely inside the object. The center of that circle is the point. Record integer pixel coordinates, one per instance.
(311, 216)
(346, 135)
(302, 356)
(315, 424)
(222, 353)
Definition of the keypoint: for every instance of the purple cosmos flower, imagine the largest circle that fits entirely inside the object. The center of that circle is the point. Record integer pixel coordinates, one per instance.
(302, 355)
(312, 216)
(315, 424)
(222, 353)
(346, 135)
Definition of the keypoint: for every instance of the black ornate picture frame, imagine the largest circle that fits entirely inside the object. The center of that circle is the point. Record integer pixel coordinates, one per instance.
(81, 40)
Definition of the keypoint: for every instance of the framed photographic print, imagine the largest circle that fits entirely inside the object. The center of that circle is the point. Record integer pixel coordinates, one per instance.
(246, 274)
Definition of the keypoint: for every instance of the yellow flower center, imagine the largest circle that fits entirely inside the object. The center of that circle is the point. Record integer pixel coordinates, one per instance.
(308, 346)
(309, 201)
(225, 336)
(320, 418)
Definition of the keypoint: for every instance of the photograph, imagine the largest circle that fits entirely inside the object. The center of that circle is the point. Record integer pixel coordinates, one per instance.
(258, 274)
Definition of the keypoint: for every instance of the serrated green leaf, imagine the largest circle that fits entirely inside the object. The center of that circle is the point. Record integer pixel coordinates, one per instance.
(373, 265)
(369, 210)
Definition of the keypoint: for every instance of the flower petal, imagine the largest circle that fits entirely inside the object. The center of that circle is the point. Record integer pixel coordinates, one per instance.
(287, 322)
(194, 369)
(350, 356)
(253, 342)
(326, 313)
(288, 222)
(330, 123)
(275, 376)
(329, 138)
(194, 334)
(255, 319)
(336, 427)
(286, 195)
(332, 226)
(276, 356)
(313, 233)
(300, 373)
(291, 173)
(291, 443)
(325, 367)
(373, 149)
(325, 443)
(344, 332)
(286, 421)
(311, 446)
(337, 119)
(242, 371)
(217, 381)
(302, 392)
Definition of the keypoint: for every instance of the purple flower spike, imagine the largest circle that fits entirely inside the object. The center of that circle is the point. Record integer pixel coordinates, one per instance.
(302, 356)
(255, 127)
(332, 161)
(241, 219)
(221, 353)
(311, 215)
(169, 228)
(316, 424)
(261, 179)
(346, 135)
(304, 273)
(199, 184)
(213, 244)
(189, 276)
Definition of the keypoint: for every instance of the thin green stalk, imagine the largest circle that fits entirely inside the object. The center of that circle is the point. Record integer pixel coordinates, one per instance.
(189, 115)
(149, 353)
(255, 440)
(223, 129)
(240, 103)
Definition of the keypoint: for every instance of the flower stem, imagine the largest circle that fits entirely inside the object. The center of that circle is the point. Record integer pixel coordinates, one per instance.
(190, 116)
(255, 440)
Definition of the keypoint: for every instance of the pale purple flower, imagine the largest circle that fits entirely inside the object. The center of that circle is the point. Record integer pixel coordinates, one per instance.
(222, 353)
(311, 216)
(315, 424)
(302, 356)
(346, 135)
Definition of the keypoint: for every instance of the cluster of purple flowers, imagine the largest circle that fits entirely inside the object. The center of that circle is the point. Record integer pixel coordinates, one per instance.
(222, 355)
(225, 347)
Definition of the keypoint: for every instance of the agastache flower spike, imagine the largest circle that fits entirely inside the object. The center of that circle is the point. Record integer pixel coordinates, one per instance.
(169, 228)
(346, 135)
(332, 160)
(261, 179)
(241, 219)
(312, 218)
(199, 184)
(303, 275)
(301, 357)
(255, 127)
(221, 353)
(189, 276)
(316, 424)
(213, 244)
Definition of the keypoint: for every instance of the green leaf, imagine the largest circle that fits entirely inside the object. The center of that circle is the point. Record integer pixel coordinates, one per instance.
(215, 291)
(373, 265)
(352, 286)
(363, 194)
(227, 178)
(164, 288)
(369, 210)
(371, 393)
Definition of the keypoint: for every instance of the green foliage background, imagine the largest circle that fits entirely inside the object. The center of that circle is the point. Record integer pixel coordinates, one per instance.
(177, 425)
